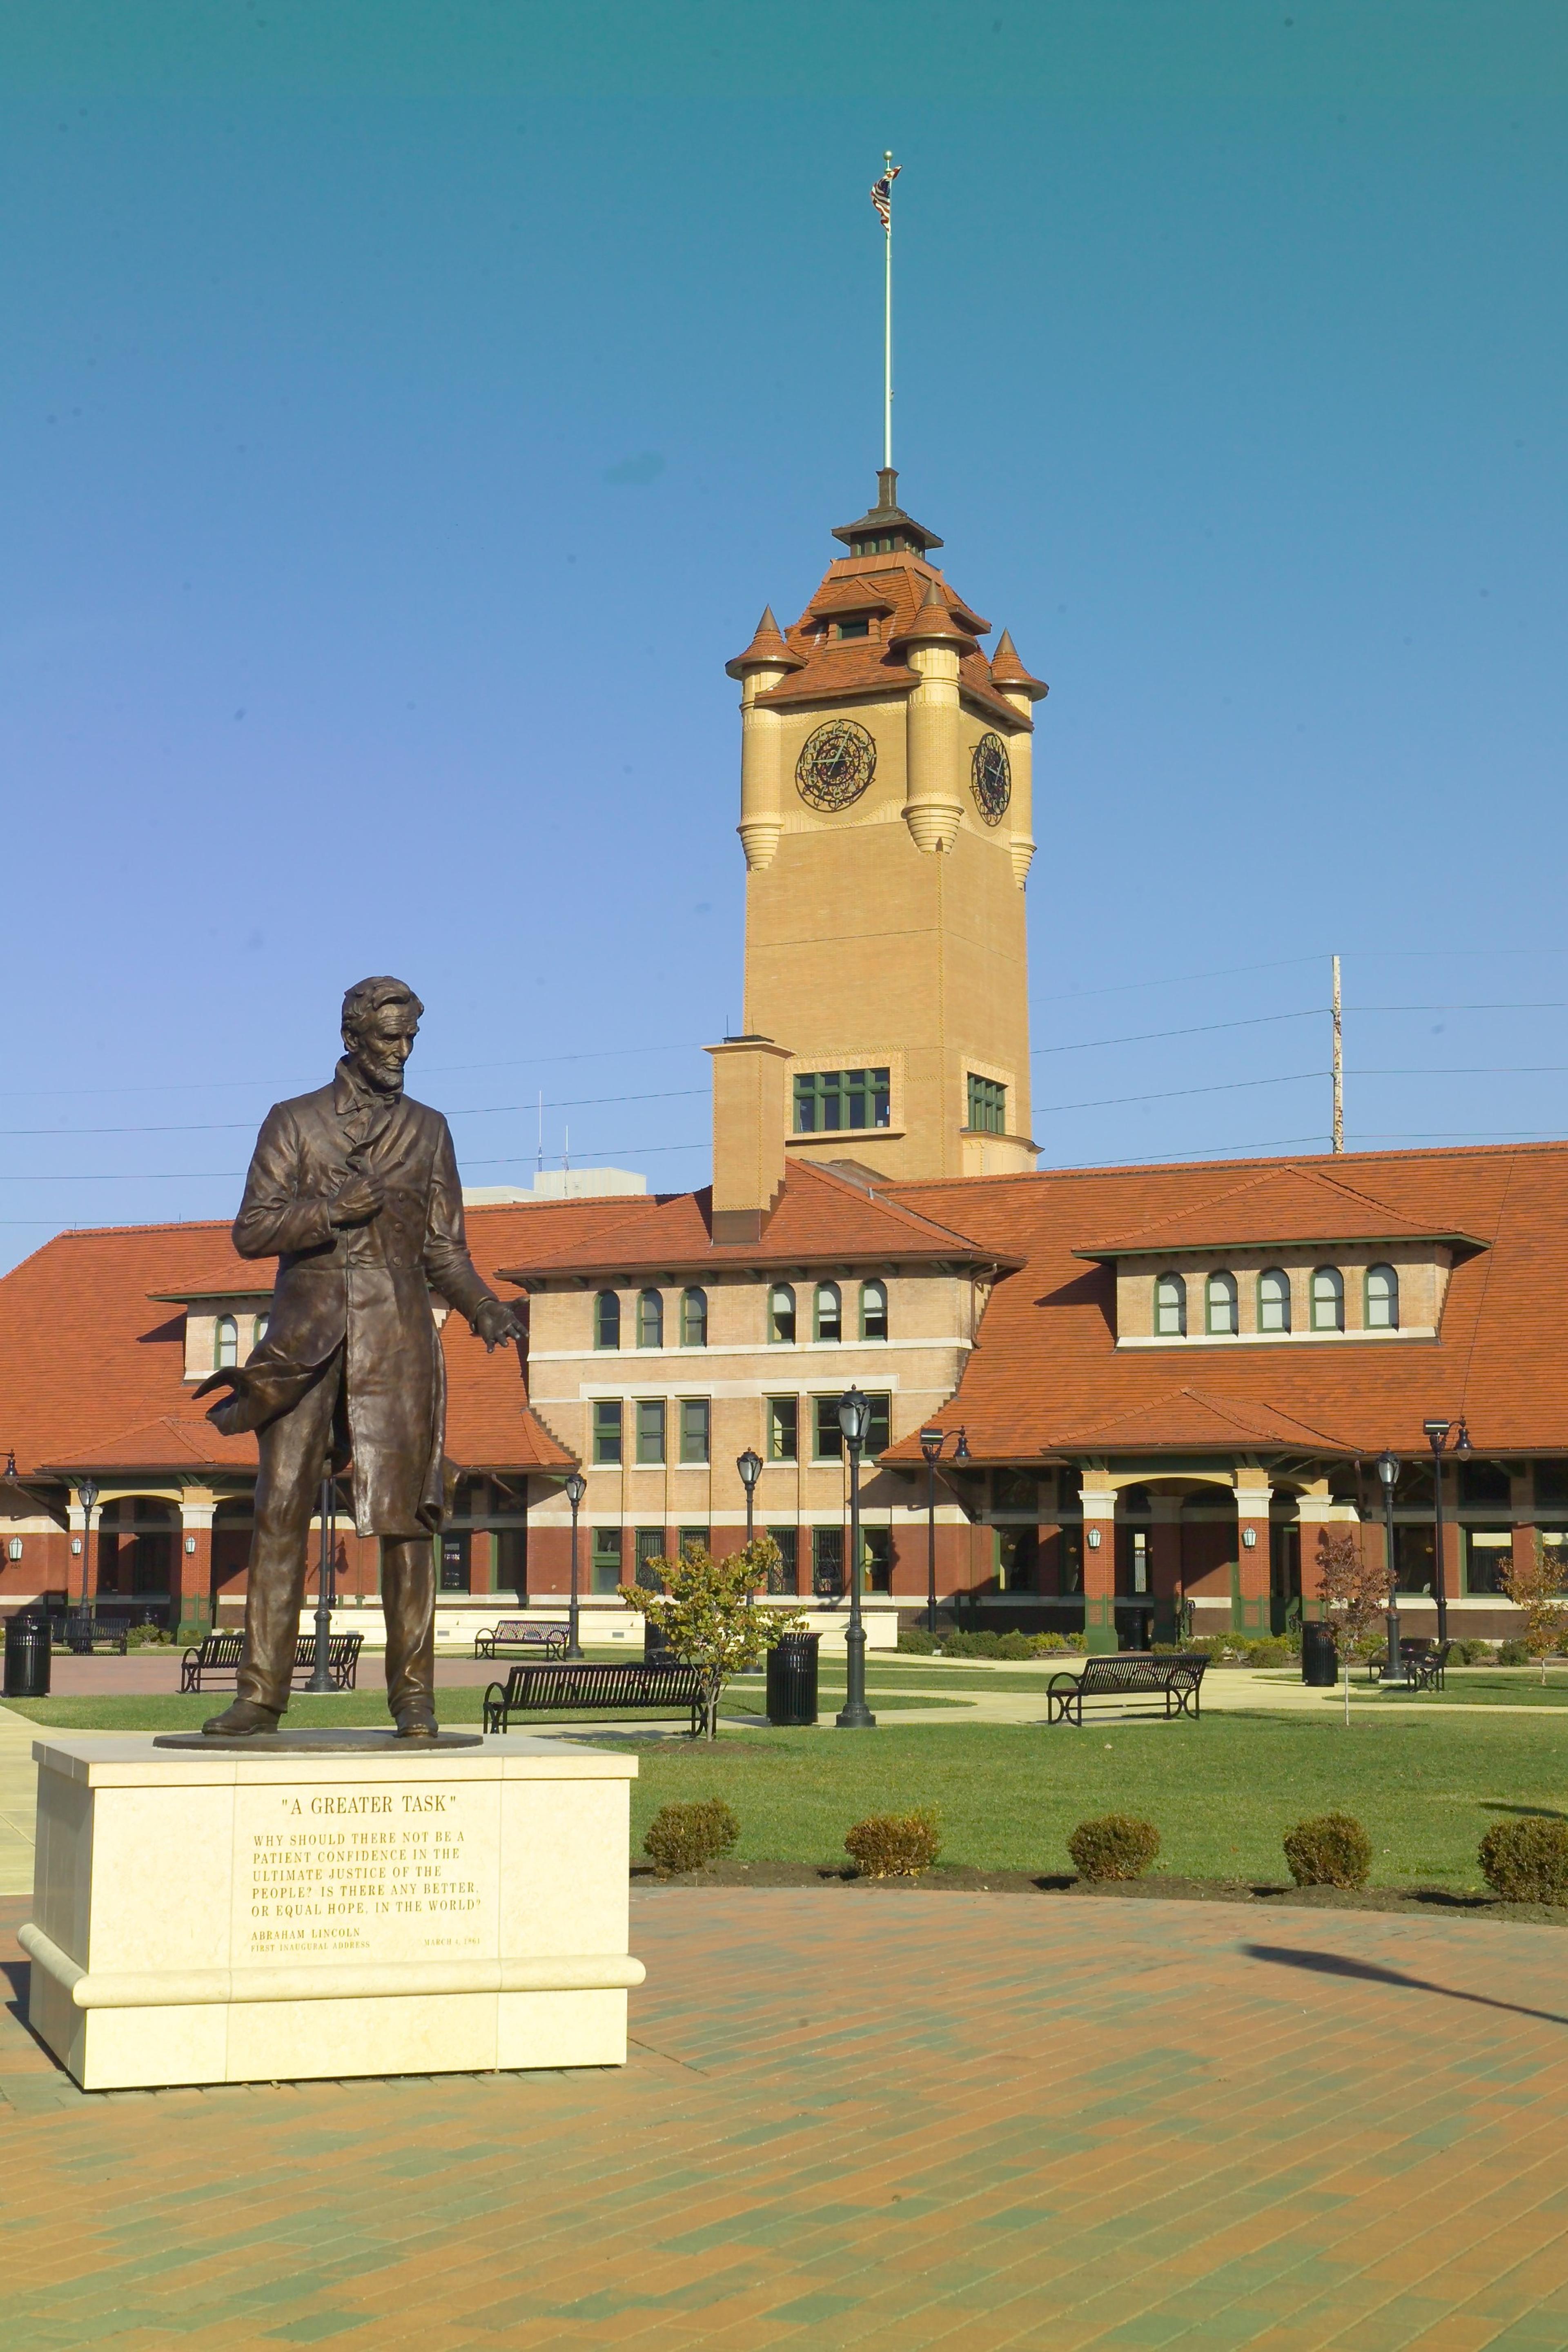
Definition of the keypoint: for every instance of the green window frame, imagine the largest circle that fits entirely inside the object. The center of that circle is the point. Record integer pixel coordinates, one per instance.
(225, 1342)
(783, 1429)
(605, 1560)
(694, 1420)
(608, 1416)
(650, 1431)
(1170, 1307)
(1274, 1299)
(786, 1576)
(607, 1319)
(842, 1102)
(697, 1537)
(828, 1312)
(826, 1562)
(1328, 1298)
(1380, 1300)
(873, 1310)
(987, 1106)
(651, 1318)
(1221, 1310)
(828, 1438)
(648, 1546)
(694, 1318)
(781, 1316)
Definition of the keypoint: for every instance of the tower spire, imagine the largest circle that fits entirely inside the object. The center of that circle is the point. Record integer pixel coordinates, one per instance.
(882, 197)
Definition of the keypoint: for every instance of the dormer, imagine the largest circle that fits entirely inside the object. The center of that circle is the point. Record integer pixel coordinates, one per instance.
(224, 1321)
(1290, 1259)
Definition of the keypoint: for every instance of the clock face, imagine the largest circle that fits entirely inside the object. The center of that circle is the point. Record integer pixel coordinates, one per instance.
(836, 764)
(993, 776)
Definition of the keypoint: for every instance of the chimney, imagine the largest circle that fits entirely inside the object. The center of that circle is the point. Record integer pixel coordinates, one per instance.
(750, 1119)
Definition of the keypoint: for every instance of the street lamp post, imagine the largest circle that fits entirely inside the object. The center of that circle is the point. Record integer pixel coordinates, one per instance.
(931, 1443)
(854, 1421)
(576, 1487)
(1389, 1471)
(1438, 1437)
(87, 1495)
(320, 1678)
(750, 1466)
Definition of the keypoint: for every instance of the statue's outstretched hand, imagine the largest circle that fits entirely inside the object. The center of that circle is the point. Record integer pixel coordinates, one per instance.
(496, 1324)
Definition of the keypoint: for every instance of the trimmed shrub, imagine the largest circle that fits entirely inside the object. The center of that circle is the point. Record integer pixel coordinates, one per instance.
(1475, 1653)
(894, 1845)
(147, 1637)
(1015, 1645)
(1328, 1850)
(915, 1642)
(686, 1837)
(1117, 1846)
(1513, 1654)
(971, 1646)
(1049, 1645)
(1268, 1652)
(1526, 1861)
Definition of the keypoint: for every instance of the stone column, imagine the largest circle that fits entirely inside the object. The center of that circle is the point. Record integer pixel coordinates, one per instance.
(190, 1583)
(932, 809)
(1099, 1566)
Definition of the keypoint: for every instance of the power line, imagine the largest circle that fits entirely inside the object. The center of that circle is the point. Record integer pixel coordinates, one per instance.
(1204, 1029)
(268, 1085)
(244, 1126)
(1237, 1086)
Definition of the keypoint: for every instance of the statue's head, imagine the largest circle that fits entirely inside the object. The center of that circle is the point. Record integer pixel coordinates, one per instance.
(380, 1020)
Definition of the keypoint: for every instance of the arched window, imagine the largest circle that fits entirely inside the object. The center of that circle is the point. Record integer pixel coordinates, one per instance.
(829, 1318)
(1170, 1307)
(1327, 1300)
(1382, 1298)
(227, 1351)
(873, 1310)
(694, 1318)
(781, 1313)
(262, 1323)
(651, 1318)
(1274, 1300)
(1219, 1303)
(607, 1319)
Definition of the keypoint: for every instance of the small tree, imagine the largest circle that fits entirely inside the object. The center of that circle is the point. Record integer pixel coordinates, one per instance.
(707, 1615)
(1535, 1586)
(1355, 1592)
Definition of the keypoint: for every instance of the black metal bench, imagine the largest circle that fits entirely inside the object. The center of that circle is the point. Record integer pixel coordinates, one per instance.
(521, 1634)
(1132, 1673)
(215, 1660)
(1425, 1663)
(83, 1636)
(539, 1690)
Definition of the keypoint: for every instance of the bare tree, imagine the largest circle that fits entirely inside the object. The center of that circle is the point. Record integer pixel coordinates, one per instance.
(1355, 1591)
(1535, 1586)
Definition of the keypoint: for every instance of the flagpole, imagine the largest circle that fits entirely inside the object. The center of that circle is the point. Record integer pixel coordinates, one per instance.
(887, 322)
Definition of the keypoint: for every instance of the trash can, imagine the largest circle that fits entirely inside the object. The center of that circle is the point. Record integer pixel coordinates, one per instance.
(792, 1679)
(27, 1655)
(1319, 1657)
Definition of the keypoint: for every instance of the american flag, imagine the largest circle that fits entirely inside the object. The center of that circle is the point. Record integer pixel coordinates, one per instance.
(882, 196)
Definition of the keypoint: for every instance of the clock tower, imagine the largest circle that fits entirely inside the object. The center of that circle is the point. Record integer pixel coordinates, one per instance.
(886, 798)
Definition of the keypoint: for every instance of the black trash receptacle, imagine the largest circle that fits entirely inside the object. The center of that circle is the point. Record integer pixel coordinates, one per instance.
(27, 1655)
(1319, 1656)
(792, 1679)
(655, 1648)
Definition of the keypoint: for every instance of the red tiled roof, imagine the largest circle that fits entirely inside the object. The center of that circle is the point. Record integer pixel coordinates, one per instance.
(91, 1372)
(767, 645)
(1278, 1205)
(1007, 670)
(822, 1219)
(1046, 1378)
(836, 669)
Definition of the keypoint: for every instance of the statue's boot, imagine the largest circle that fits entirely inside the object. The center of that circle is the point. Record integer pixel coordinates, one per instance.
(243, 1720)
(415, 1722)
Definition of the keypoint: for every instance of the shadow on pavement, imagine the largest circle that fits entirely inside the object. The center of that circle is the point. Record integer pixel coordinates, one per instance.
(1336, 1964)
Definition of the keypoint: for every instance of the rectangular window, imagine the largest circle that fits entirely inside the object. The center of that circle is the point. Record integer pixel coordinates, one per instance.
(607, 1561)
(694, 1429)
(829, 1437)
(1017, 1553)
(649, 1548)
(854, 628)
(783, 1429)
(693, 1539)
(650, 1429)
(787, 1578)
(876, 1550)
(827, 1561)
(987, 1106)
(607, 1430)
(1552, 1480)
(1487, 1551)
(828, 1102)
(1014, 1490)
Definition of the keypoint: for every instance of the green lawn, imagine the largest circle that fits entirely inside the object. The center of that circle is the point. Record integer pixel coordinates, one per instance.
(173, 1711)
(1222, 1791)
(1504, 1686)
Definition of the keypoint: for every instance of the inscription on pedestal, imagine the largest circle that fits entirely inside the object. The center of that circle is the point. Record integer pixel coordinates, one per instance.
(402, 1871)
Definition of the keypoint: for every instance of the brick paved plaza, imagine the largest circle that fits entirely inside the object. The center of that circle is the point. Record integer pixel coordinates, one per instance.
(867, 2117)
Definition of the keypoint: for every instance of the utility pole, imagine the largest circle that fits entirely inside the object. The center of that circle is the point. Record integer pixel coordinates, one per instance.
(1339, 1064)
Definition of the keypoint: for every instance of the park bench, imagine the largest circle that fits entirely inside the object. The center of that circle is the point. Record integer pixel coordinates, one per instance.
(1425, 1663)
(537, 1690)
(1132, 1673)
(83, 1636)
(215, 1660)
(521, 1634)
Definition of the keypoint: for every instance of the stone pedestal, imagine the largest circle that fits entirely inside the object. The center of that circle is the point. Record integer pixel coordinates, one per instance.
(356, 1910)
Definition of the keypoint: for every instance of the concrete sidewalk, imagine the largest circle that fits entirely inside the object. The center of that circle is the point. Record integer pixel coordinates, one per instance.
(880, 2119)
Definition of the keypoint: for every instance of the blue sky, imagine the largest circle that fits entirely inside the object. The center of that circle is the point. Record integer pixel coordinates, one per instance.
(407, 409)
